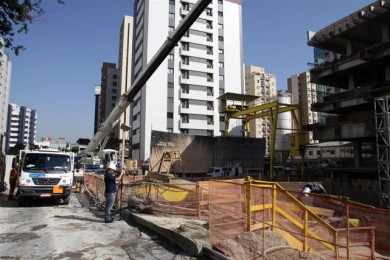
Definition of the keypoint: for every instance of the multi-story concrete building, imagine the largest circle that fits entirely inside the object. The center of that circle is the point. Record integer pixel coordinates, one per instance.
(182, 95)
(110, 92)
(304, 93)
(260, 83)
(125, 68)
(21, 126)
(5, 83)
(360, 66)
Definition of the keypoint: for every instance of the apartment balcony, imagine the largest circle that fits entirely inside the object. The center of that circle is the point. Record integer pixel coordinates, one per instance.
(202, 27)
(202, 16)
(196, 81)
(202, 40)
(196, 124)
(195, 66)
(196, 95)
(196, 110)
(196, 53)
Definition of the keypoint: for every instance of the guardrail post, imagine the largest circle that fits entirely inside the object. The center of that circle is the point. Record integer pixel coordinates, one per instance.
(273, 206)
(305, 230)
(198, 199)
(372, 243)
(347, 206)
(335, 245)
(248, 203)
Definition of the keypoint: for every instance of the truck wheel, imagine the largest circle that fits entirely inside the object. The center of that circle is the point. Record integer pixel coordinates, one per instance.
(65, 201)
(22, 202)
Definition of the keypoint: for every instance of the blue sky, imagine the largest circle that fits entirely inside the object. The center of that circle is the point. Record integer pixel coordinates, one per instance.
(65, 48)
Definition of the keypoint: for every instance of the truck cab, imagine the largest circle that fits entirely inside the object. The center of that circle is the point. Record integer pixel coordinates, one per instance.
(45, 174)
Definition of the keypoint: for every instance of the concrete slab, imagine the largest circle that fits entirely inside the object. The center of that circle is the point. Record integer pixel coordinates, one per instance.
(49, 231)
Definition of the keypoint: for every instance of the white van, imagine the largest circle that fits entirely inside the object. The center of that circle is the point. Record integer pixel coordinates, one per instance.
(44, 174)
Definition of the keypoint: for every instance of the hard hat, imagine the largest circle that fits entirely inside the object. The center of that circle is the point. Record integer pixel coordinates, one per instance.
(111, 166)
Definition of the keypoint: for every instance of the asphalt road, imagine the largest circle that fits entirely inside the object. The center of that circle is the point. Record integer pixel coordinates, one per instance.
(50, 231)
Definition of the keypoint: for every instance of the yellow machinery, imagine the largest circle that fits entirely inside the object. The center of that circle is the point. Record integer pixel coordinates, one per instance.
(235, 107)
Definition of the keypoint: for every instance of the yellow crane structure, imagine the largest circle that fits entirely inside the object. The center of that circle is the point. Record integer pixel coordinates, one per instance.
(235, 106)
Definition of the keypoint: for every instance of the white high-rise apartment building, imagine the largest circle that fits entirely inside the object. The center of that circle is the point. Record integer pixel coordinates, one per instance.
(182, 95)
(125, 67)
(260, 83)
(21, 126)
(5, 83)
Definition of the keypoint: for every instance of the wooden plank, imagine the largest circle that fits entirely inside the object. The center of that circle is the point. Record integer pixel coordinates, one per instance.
(322, 211)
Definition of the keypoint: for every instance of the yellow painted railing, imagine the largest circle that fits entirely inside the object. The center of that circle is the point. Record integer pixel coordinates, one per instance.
(280, 210)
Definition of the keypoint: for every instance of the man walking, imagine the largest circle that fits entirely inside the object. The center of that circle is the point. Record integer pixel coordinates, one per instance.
(13, 177)
(110, 190)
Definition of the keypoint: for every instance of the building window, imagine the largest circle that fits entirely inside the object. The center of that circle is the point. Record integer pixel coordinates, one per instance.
(210, 77)
(114, 76)
(185, 46)
(185, 89)
(185, 74)
(220, 38)
(221, 65)
(209, 37)
(209, 50)
(210, 105)
(220, 14)
(210, 92)
(185, 103)
(114, 84)
(221, 77)
(186, 6)
(209, 11)
(209, 64)
(220, 51)
(170, 71)
(169, 115)
(185, 118)
(210, 120)
(209, 25)
(184, 131)
(185, 60)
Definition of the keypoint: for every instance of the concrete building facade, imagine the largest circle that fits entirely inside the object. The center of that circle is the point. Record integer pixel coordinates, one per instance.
(125, 67)
(260, 83)
(110, 92)
(181, 96)
(21, 126)
(304, 93)
(5, 84)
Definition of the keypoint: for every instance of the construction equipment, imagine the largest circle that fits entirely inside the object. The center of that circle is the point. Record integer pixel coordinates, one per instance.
(140, 81)
(268, 110)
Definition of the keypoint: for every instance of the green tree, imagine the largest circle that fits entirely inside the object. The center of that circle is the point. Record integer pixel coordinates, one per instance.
(15, 18)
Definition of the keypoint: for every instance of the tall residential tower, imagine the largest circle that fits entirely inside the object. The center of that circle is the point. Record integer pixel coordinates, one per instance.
(260, 83)
(21, 126)
(182, 95)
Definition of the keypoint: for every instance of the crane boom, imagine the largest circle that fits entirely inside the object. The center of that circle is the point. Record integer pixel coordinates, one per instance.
(150, 68)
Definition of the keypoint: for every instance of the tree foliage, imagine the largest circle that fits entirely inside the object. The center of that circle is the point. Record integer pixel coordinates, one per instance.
(15, 18)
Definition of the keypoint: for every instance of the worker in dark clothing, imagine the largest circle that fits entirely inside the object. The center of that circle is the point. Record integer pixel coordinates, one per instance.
(13, 176)
(110, 190)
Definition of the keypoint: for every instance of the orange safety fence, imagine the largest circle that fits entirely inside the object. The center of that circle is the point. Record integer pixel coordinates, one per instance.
(334, 210)
(249, 206)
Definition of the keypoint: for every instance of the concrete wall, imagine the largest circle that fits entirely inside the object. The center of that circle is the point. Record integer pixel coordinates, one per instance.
(199, 153)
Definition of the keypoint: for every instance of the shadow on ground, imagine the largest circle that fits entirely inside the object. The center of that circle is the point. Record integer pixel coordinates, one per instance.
(6, 203)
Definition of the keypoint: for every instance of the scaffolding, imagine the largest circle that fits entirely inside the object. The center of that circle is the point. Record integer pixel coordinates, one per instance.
(382, 124)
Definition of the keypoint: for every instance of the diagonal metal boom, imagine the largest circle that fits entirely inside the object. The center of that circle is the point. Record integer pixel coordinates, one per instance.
(152, 66)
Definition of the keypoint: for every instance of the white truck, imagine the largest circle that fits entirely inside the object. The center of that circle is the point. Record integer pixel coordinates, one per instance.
(45, 174)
